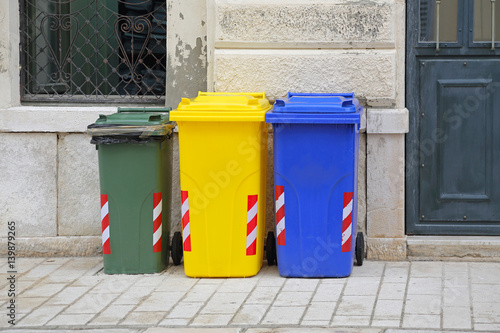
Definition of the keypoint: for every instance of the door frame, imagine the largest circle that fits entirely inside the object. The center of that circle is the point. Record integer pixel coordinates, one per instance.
(425, 50)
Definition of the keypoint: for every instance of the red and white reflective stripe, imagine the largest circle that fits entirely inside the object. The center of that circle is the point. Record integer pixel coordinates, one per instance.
(186, 225)
(252, 209)
(347, 222)
(280, 214)
(106, 243)
(157, 219)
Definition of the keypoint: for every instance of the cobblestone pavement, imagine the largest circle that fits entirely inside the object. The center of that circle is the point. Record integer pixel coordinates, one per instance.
(74, 294)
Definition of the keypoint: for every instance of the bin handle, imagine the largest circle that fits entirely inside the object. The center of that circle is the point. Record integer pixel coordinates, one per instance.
(144, 110)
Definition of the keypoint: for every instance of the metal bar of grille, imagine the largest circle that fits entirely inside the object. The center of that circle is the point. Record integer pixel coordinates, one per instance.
(493, 25)
(93, 51)
(438, 6)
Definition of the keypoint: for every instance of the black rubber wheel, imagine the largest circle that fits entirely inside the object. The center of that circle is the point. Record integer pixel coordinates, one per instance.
(176, 249)
(271, 249)
(359, 251)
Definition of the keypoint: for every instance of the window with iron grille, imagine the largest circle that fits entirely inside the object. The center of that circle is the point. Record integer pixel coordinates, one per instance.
(93, 51)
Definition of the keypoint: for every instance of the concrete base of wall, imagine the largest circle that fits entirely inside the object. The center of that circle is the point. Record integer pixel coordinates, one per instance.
(59, 246)
(386, 249)
(453, 248)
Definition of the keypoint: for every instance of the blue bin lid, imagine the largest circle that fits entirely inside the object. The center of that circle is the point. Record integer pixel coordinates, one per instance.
(317, 103)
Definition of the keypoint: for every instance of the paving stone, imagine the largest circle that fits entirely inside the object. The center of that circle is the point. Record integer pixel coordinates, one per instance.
(421, 321)
(300, 285)
(320, 311)
(68, 295)
(284, 315)
(71, 319)
(426, 269)
(323, 323)
(112, 315)
(485, 292)
(388, 309)
(176, 284)
(262, 295)
(290, 298)
(456, 296)
(91, 303)
(423, 304)
(315, 330)
(151, 281)
(484, 272)
(212, 319)
(24, 265)
(457, 318)
(115, 284)
(271, 281)
(44, 290)
(175, 322)
(486, 310)
(385, 322)
(200, 292)
(328, 292)
(134, 295)
(361, 286)
(250, 314)
(214, 281)
(369, 268)
(149, 318)
(356, 306)
(238, 285)
(185, 310)
(160, 301)
(492, 327)
(224, 303)
(351, 321)
(424, 286)
(40, 271)
(396, 272)
(40, 316)
(23, 285)
(27, 304)
(392, 291)
(192, 330)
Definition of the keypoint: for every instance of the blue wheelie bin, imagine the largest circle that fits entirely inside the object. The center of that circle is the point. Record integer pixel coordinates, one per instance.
(316, 142)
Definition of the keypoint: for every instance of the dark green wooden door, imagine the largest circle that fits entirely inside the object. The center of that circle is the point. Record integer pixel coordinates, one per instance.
(453, 94)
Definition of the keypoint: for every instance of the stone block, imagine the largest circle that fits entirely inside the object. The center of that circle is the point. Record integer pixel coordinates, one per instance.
(385, 185)
(301, 23)
(387, 121)
(28, 194)
(386, 249)
(466, 247)
(78, 187)
(369, 73)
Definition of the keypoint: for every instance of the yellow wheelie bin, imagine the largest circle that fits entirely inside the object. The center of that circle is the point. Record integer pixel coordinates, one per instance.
(222, 155)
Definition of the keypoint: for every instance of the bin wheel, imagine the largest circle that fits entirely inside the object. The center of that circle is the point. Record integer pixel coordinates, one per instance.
(271, 249)
(176, 249)
(360, 248)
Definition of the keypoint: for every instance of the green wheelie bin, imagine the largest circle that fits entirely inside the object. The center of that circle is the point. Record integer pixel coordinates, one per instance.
(135, 169)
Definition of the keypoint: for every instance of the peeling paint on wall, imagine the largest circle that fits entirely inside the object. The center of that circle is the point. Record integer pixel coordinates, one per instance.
(186, 49)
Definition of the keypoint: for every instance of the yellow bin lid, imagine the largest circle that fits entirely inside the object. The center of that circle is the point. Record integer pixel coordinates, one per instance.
(222, 106)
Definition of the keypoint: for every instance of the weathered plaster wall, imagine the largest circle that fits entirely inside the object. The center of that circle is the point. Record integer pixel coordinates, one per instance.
(186, 49)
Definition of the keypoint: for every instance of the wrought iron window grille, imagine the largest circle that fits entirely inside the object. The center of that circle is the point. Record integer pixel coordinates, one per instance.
(93, 51)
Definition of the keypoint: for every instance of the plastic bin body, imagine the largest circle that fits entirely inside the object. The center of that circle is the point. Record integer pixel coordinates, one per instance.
(135, 182)
(223, 155)
(315, 177)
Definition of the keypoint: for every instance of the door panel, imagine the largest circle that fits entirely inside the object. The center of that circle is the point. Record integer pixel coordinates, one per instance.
(457, 132)
(453, 147)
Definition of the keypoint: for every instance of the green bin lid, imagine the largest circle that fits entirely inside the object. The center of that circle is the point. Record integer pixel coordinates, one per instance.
(142, 122)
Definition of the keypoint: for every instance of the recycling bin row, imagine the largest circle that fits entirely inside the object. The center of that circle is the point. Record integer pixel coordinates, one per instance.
(222, 163)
